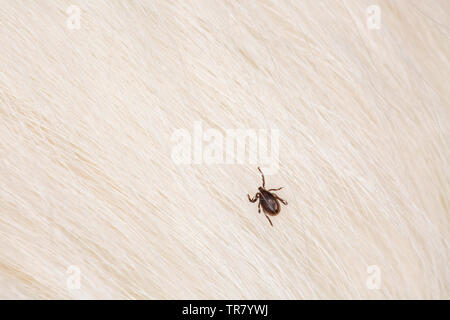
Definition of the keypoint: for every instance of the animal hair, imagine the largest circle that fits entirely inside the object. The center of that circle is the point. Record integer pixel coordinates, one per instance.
(92, 204)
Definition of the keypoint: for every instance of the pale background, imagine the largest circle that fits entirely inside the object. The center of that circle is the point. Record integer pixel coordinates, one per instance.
(86, 177)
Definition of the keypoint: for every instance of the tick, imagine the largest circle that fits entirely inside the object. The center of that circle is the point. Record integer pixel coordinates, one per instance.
(268, 200)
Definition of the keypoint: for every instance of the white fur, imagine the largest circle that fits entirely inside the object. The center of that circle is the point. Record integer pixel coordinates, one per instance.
(87, 179)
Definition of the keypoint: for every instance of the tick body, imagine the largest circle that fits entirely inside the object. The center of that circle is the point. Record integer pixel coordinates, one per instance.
(268, 200)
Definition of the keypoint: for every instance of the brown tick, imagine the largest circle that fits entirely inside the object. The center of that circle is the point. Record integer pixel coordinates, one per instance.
(268, 200)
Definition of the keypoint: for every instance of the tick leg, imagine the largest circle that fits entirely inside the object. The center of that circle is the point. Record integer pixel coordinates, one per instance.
(259, 207)
(262, 174)
(283, 201)
(275, 189)
(254, 199)
(269, 220)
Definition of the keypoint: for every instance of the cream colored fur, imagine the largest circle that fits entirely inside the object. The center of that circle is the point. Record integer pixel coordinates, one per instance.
(87, 182)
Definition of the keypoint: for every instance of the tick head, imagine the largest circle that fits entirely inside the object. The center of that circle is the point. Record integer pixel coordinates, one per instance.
(261, 189)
